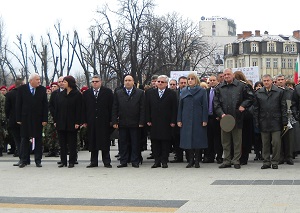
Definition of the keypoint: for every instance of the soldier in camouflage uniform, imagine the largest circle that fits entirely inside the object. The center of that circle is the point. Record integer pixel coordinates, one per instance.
(50, 136)
(2, 122)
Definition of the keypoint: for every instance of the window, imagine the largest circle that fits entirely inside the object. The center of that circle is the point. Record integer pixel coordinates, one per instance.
(283, 61)
(268, 63)
(254, 62)
(254, 47)
(229, 48)
(286, 48)
(275, 62)
(290, 63)
(271, 47)
(241, 50)
(293, 48)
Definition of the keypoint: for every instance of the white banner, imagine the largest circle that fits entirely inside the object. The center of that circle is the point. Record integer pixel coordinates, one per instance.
(251, 73)
(177, 74)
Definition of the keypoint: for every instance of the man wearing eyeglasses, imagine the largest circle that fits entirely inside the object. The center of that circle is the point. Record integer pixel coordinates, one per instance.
(161, 114)
(97, 110)
(173, 84)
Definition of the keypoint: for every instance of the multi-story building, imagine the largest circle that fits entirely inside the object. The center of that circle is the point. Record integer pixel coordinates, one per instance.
(273, 54)
(216, 31)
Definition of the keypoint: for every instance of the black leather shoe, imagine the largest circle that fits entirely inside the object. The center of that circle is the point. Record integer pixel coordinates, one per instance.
(108, 165)
(190, 165)
(59, 162)
(265, 167)
(135, 165)
(164, 165)
(222, 166)
(290, 162)
(156, 165)
(71, 165)
(281, 162)
(38, 165)
(244, 163)
(122, 165)
(91, 165)
(237, 166)
(176, 161)
(22, 165)
(17, 164)
(197, 165)
(62, 165)
(76, 162)
(274, 166)
(219, 161)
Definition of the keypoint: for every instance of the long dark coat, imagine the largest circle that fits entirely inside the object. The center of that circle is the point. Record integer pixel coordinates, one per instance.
(270, 109)
(192, 112)
(161, 112)
(10, 108)
(31, 110)
(68, 110)
(97, 115)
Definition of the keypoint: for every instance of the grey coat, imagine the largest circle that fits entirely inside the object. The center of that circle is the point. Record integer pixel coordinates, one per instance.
(192, 111)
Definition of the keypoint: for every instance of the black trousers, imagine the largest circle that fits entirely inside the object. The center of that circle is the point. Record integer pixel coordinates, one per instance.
(214, 139)
(161, 150)
(105, 157)
(25, 150)
(68, 142)
(129, 145)
(15, 131)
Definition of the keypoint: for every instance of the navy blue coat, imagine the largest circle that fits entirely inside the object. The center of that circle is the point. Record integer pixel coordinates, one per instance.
(192, 112)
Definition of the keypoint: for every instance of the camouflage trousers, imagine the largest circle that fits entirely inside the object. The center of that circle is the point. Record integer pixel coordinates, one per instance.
(50, 138)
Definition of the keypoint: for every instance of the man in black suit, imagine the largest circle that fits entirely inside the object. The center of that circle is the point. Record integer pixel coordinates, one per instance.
(128, 115)
(97, 109)
(32, 115)
(161, 115)
(10, 106)
(213, 127)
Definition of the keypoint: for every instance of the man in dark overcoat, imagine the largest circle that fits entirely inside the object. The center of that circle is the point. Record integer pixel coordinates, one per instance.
(10, 106)
(128, 115)
(270, 113)
(97, 109)
(32, 115)
(161, 115)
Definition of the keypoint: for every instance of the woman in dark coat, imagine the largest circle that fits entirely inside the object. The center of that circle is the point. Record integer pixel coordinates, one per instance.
(67, 120)
(192, 118)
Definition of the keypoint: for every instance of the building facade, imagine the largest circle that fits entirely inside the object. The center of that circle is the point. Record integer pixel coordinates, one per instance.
(273, 54)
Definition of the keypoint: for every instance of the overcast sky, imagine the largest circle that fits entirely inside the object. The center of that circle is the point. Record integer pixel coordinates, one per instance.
(37, 17)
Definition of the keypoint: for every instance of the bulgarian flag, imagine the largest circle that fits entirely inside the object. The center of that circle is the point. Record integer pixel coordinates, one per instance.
(297, 70)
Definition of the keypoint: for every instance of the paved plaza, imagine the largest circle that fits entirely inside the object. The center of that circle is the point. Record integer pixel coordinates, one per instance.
(175, 189)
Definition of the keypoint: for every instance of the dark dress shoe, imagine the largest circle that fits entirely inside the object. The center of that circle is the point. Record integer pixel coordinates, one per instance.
(219, 161)
(22, 165)
(71, 165)
(62, 165)
(38, 165)
(244, 163)
(164, 165)
(91, 165)
(281, 162)
(290, 162)
(76, 162)
(17, 164)
(156, 165)
(237, 166)
(122, 165)
(116, 156)
(59, 162)
(177, 161)
(265, 166)
(108, 165)
(190, 165)
(222, 166)
(135, 165)
(274, 166)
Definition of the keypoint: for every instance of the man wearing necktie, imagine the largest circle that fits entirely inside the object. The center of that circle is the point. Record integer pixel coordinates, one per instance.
(161, 115)
(214, 149)
(31, 115)
(128, 115)
(97, 109)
